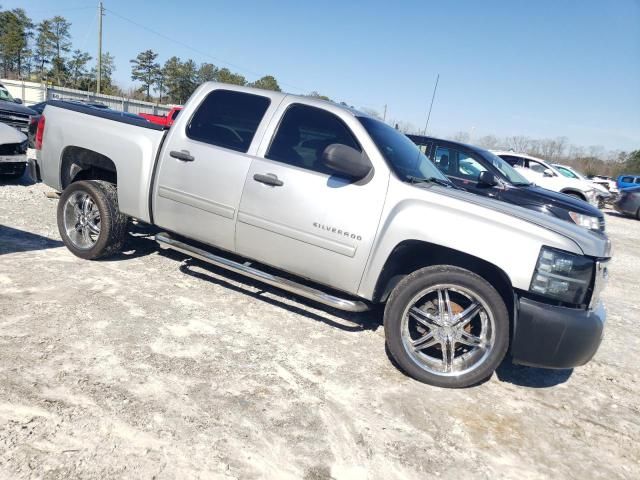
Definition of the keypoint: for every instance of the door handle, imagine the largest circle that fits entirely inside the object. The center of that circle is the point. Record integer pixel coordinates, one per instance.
(182, 155)
(268, 179)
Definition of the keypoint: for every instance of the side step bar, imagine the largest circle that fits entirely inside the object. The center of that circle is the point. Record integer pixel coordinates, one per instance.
(167, 241)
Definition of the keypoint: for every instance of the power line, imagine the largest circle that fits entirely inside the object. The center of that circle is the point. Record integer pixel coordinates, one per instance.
(207, 55)
(198, 51)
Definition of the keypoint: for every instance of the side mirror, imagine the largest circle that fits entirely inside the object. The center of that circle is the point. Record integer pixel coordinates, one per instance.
(347, 161)
(548, 173)
(487, 179)
(17, 100)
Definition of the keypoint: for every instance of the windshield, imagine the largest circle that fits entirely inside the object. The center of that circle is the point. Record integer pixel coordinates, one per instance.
(402, 155)
(507, 170)
(4, 94)
(566, 172)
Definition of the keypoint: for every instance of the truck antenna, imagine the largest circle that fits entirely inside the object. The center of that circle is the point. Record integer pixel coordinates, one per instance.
(435, 87)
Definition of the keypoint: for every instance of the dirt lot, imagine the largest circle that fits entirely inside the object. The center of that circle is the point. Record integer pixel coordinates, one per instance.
(150, 365)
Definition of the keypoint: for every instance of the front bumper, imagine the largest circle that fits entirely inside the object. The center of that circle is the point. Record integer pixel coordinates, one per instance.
(549, 336)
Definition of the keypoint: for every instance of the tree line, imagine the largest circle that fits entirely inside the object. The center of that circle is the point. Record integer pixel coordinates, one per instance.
(176, 80)
(43, 52)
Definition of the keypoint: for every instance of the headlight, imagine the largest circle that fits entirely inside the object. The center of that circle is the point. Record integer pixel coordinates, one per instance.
(586, 221)
(562, 276)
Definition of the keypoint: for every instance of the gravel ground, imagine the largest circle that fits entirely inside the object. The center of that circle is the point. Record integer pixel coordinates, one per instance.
(150, 365)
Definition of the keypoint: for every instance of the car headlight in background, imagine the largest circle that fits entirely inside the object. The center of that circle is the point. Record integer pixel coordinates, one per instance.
(562, 276)
(586, 221)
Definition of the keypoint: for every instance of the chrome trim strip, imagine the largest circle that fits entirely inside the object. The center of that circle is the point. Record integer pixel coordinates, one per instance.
(295, 234)
(196, 202)
(166, 241)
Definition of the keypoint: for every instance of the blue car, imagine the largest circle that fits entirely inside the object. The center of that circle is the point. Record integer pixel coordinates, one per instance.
(626, 181)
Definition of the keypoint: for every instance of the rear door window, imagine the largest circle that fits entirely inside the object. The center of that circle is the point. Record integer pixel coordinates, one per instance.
(627, 179)
(228, 119)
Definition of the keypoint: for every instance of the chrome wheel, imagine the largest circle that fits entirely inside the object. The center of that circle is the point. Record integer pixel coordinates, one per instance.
(448, 330)
(82, 220)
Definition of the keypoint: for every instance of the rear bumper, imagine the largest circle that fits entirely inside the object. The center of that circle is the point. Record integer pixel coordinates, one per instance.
(34, 169)
(556, 337)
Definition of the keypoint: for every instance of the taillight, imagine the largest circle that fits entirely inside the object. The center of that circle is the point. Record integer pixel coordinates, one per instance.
(39, 133)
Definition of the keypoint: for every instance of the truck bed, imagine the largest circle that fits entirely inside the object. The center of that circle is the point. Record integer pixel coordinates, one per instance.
(73, 130)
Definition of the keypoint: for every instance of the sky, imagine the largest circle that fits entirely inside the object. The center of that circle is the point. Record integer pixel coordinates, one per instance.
(541, 69)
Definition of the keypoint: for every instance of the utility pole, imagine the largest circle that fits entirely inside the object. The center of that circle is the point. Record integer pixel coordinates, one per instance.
(99, 72)
(431, 106)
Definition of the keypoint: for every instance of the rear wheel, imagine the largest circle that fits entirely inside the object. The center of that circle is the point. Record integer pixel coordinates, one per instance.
(89, 221)
(446, 326)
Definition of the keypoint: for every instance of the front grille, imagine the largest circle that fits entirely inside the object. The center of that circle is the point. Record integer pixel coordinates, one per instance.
(16, 120)
(14, 148)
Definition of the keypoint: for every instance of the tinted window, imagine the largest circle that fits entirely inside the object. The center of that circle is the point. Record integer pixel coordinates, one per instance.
(627, 179)
(637, 179)
(402, 155)
(228, 119)
(304, 133)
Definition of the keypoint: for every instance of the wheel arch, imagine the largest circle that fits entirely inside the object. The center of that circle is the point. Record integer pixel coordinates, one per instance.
(571, 191)
(411, 255)
(80, 163)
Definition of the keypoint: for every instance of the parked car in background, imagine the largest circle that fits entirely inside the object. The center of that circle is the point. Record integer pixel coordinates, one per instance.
(607, 182)
(13, 152)
(626, 181)
(480, 171)
(350, 209)
(629, 202)
(164, 120)
(603, 193)
(544, 174)
(13, 113)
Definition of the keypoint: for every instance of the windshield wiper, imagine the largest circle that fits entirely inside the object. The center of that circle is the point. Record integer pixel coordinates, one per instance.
(437, 181)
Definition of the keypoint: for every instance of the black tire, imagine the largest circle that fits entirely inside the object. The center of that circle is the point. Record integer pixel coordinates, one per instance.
(113, 224)
(15, 175)
(410, 288)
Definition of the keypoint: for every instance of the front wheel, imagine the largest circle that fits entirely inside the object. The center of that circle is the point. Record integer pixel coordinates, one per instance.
(446, 326)
(89, 221)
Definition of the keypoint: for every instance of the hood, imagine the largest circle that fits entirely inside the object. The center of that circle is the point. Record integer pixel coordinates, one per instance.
(9, 134)
(560, 200)
(593, 244)
(16, 108)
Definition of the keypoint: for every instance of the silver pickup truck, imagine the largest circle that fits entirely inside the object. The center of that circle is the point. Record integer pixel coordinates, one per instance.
(352, 214)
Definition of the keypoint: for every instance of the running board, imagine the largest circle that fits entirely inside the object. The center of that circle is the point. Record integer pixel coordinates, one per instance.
(167, 241)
